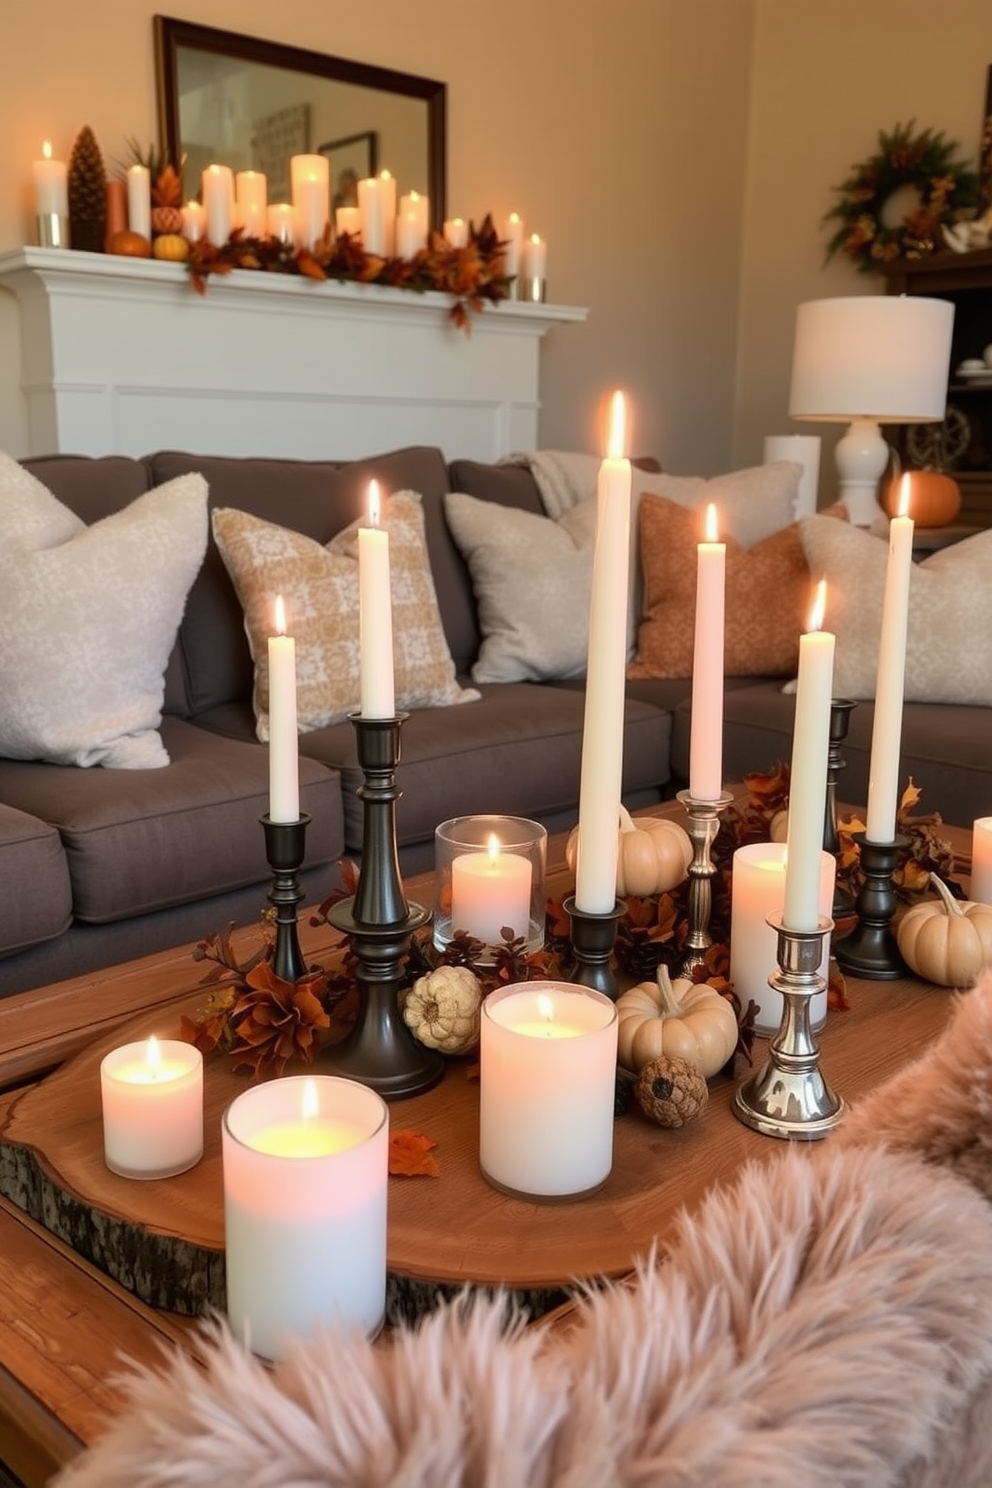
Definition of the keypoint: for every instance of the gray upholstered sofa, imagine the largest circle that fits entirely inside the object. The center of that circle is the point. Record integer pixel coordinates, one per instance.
(99, 865)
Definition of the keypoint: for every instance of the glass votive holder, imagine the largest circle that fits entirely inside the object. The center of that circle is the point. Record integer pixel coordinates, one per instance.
(489, 876)
(548, 1060)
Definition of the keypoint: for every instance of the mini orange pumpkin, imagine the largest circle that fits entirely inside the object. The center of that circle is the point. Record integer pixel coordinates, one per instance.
(934, 500)
(129, 244)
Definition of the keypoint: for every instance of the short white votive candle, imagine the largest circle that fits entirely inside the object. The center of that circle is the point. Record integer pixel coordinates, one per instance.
(306, 1163)
(548, 1071)
(758, 892)
(152, 1097)
(980, 890)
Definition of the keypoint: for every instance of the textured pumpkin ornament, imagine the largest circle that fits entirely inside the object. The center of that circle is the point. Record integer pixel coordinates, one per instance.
(87, 190)
(670, 1091)
(442, 1009)
(689, 1020)
(653, 855)
(944, 940)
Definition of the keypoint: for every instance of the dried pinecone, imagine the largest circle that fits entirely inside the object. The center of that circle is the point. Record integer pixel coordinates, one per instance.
(275, 1021)
(671, 1091)
(87, 188)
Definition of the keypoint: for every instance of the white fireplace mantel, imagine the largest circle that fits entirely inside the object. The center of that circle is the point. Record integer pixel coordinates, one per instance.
(122, 356)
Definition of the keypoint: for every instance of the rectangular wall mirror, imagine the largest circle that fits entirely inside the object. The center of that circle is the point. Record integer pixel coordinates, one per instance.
(251, 104)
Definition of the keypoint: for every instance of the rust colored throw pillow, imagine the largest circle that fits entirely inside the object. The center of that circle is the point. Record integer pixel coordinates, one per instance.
(767, 598)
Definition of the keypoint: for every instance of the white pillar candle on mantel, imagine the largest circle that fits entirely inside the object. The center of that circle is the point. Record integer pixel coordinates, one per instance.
(251, 203)
(305, 1165)
(706, 719)
(280, 220)
(51, 184)
(980, 887)
(310, 177)
(284, 746)
(194, 221)
(375, 616)
(387, 188)
(601, 776)
(808, 774)
(414, 207)
(408, 238)
(372, 205)
(489, 891)
(456, 232)
(348, 220)
(139, 200)
(886, 732)
(218, 202)
(548, 1054)
(535, 258)
(152, 1099)
(512, 236)
(757, 891)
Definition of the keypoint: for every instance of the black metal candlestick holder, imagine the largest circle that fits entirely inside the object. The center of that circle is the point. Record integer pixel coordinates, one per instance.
(870, 950)
(704, 823)
(285, 849)
(789, 1096)
(840, 718)
(380, 1051)
(593, 939)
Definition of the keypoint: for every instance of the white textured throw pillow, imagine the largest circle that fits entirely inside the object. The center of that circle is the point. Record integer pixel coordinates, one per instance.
(751, 504)
(949, 638)
(88, 618)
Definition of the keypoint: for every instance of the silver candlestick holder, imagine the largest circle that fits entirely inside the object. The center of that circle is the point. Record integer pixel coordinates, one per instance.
(704, 823)
(789, 1096)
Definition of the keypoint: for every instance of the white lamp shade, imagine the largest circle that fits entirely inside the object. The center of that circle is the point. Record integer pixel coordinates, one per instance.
(884, 357)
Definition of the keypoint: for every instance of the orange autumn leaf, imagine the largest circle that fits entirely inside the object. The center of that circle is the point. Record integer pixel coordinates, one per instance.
(411, 1155)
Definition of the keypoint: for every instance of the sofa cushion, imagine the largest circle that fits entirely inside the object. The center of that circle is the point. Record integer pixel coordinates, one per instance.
(751, 503)
(34, 882)
(148, 839)
(316, 498)
(320, 588)
(88, 618)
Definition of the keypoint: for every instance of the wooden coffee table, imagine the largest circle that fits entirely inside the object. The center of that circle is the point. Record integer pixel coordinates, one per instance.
(63, 1322)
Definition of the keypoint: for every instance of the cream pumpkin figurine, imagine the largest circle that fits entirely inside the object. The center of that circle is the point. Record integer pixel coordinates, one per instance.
(684, 1019)
(944, 940)
(653, 855)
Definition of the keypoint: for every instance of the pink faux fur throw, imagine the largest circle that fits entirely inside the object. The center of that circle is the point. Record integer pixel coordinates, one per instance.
(826, 1322)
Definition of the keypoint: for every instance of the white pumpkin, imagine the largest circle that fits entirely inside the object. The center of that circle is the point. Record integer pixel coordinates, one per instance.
(653, 854)
(443, 1009)
(685, 1019)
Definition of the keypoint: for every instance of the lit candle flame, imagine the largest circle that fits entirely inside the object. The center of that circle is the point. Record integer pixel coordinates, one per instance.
(310, 1101)
(492, 847)
(153, 1057)
(905, 490)
(375, 503)
(46, 149)
(280, 616)
(616, 444)
(514, 218)
(414, 196)
(384, 175)
(819, 607)
(711, 531)
(545, 1008)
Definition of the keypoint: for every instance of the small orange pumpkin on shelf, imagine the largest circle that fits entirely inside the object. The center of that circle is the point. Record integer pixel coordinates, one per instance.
(129, 244)
(935, 497)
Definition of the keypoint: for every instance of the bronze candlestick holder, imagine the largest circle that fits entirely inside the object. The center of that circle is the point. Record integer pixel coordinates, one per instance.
(380, 1051)
(840, 718)
(285, 849)
(593, 939)
(789, 1096)
(871, 950)
(704, 823)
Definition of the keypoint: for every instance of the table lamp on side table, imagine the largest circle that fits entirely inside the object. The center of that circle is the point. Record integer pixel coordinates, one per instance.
(870, 360)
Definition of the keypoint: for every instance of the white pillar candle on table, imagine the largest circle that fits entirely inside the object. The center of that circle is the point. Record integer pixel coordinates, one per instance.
(980, 889)
(348, 220)
(886, 732)
(139, 200)
(284, 763)
(547, 1072)
(456, 232)
(757, 891)
(706, 725)
(808, 774)
(804, 450)
(280, 220)
(512, 236)
(601, 776)
(375, 616)
(51, 184)
(490, 890)
(152, 1099)
(414, 205)
(218, 202)
(535, 257)
(194, 221)
(251, 202)
(305, 1173)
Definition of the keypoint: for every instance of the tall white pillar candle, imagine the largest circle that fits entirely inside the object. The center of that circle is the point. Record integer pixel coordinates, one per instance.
(803, 449)
(512, 235)
(757, 890)
(535, 257)
(218, 202)
(375, 616)
(305, 1170)
(456, 232)
(280, 221)
(808, 775)
(372, 214)
(980, 889)
(706, 719)
(139, 200)
(152, 1099)
(284, 764)
(548, 1055)
(251, 198)
(387, 188)
(51, 184)
(408, 239)
(886, 734)
(600, 782)
(416, 208)
(310, 177)
(491, 891)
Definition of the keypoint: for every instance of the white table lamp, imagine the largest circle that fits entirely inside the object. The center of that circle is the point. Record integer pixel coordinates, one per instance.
(866, 360)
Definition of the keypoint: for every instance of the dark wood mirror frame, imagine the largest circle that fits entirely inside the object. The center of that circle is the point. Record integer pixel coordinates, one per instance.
(172, 34)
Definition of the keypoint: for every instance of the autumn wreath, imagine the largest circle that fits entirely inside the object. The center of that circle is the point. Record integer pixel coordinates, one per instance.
(946, 191)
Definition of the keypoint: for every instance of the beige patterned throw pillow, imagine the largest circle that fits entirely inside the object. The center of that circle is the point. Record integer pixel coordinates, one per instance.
(319, 586)
(949, 639)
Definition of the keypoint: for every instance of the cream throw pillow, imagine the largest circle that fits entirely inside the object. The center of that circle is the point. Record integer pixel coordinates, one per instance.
(751, 504)
(949, 639)
(88, 619)
(320, 588)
